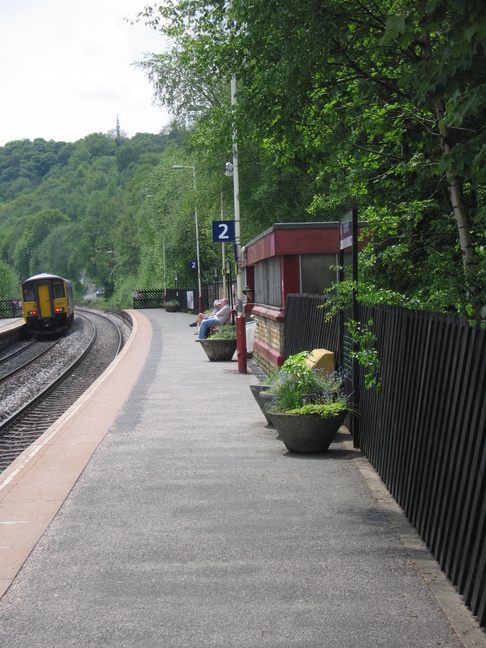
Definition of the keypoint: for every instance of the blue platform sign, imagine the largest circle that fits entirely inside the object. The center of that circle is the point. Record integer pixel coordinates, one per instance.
(223, 231)
(193, 265)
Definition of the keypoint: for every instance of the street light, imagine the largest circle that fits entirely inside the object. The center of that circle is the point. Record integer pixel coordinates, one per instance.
(184, 166)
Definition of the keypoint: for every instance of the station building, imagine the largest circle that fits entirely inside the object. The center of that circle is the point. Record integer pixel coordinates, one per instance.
(285, 259)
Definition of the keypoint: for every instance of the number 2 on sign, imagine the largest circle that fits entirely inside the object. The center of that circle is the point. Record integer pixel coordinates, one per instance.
(223, 233)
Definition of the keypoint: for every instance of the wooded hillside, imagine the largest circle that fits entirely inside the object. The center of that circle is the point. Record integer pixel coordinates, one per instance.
(338, 105)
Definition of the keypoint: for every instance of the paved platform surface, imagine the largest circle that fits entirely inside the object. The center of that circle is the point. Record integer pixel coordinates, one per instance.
(161, 510)
(11, 322)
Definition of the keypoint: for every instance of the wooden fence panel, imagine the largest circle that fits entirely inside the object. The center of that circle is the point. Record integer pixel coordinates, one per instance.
(305, 325)
(424, 431)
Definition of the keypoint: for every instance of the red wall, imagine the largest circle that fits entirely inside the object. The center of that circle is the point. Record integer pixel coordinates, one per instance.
(289, 276)
(294, 241)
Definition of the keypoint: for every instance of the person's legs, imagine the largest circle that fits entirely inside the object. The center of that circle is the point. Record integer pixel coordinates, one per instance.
(200, 317)
(206, 325)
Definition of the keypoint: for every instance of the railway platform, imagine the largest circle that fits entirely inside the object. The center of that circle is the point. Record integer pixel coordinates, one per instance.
(161, 510)
(12, 322)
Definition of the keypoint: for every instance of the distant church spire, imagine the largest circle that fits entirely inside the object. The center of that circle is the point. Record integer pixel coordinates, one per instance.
(118, 131)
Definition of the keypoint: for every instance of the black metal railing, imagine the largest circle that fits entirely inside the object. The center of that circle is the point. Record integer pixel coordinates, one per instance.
(424, 431)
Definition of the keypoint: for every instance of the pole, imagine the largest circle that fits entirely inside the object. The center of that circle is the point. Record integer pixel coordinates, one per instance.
(187, 166)
(236, 191)
(163, 257)
(222, 253)
(355, 419)
(240, 320)
(197, 243)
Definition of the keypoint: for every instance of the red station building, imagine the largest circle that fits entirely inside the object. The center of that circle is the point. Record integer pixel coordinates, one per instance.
(287, 258)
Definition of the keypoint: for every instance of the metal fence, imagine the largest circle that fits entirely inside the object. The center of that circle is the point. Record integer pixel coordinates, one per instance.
(154, 297)
(424, 431)
(10, 308)
(148, 298)
(306, 327)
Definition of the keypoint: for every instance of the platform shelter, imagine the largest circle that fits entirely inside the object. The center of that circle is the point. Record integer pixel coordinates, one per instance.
(285, 259)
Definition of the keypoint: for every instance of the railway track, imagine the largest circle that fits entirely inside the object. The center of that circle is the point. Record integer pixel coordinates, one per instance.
(22, 355)
(41, 392)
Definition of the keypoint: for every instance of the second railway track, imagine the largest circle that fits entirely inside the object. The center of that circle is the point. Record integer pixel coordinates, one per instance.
(38, 395)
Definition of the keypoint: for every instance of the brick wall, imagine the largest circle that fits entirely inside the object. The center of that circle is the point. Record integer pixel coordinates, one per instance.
(268, 350)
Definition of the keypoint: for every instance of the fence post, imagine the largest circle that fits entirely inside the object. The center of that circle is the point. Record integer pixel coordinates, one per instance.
(355, 416)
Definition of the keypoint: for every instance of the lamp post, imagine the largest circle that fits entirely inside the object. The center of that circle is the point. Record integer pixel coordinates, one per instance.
(184, 166)
(222, 252)
(232, 170)
(163, 256)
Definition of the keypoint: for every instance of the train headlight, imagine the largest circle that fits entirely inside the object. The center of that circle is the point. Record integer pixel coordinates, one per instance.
(32, 312)
(60, 309)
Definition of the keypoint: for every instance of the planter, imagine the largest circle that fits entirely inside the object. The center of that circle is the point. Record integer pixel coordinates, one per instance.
(306, 433)
(169, 308)
(219, 350)
(262, 398)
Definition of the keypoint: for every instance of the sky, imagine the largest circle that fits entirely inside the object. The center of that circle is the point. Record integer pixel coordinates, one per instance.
(65, 70)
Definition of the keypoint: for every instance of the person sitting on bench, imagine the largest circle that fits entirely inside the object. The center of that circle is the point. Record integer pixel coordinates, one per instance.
(201, 316)
(221, 317)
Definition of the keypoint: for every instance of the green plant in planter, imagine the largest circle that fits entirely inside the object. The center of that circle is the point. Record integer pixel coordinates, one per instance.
(172, 305)
(324, 410)
(299, 389)
(224, 332)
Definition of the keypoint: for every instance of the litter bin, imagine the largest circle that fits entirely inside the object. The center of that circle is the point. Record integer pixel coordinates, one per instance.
(250, 337)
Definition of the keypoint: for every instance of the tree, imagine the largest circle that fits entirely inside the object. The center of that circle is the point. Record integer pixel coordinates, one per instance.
(9, 281)
(383, 103)
(37, 227)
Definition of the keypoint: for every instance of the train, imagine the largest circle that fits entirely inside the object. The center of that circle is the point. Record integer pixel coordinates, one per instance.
(47, 303)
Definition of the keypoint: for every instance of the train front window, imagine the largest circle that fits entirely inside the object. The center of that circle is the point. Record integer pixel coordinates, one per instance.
(57, 289)
(28, 293)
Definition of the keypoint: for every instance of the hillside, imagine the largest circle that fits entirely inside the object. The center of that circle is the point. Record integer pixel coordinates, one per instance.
(69, 208)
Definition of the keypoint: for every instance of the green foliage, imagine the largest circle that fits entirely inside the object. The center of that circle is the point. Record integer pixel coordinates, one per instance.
(9, 282)
(122, 297)
(367, 354)
(381, 107)
(224, 332)
(390, 122)
(296, 384)
(324, 410)
(81, 214)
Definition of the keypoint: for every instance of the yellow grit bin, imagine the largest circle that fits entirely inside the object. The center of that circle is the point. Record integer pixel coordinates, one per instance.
(321, 359)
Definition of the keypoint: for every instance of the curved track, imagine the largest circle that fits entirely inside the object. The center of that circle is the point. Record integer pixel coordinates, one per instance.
(71, 377)
(22, 356)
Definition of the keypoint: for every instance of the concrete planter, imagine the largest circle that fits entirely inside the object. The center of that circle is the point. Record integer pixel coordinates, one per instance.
(306, 433)
(219, 350)
(262, 398)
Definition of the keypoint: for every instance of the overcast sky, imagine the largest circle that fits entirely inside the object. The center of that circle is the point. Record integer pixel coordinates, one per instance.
(65, 69)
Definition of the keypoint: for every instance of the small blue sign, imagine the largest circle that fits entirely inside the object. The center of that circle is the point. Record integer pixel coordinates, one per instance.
(193, 265)
(223, 231)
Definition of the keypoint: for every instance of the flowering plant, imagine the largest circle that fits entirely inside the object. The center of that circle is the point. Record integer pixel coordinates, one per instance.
(299, 389)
